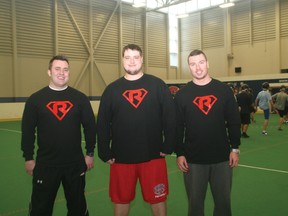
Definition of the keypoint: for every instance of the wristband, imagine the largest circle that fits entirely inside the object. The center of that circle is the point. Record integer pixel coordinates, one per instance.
(237, 151)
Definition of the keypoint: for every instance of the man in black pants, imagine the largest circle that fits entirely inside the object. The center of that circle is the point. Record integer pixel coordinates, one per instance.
(57, 113)
(245, 103)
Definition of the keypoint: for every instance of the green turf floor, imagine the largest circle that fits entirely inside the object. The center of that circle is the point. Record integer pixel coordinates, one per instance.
(260, 184)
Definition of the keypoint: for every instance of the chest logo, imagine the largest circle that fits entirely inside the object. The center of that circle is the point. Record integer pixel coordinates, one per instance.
(135, 97)
(59, 108)
(205, 103)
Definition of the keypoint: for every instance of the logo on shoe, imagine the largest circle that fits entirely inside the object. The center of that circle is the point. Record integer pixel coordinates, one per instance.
(135, 97)
(205, 103)
(59, 108)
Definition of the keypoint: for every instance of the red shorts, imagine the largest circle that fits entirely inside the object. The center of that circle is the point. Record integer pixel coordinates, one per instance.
(152, 176)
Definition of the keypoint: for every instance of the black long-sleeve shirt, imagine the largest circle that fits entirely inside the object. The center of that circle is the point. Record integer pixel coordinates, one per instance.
(208, 122)
(245, 102)
(57, 117)
(138, 117)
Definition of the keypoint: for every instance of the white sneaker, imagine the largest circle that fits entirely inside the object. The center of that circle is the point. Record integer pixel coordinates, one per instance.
(264, 133)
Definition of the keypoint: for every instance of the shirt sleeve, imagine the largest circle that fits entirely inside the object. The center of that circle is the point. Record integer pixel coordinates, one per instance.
(169, 121)
(233, 122)
(179, 148)
(89, 125)
(28, 127)
(103, 128)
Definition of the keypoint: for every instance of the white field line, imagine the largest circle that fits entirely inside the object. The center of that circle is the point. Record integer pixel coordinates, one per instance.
(254, 167)
(14, 131)
(261, 168)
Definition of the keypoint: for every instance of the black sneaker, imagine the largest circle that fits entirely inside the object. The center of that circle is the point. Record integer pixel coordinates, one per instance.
(244, 135)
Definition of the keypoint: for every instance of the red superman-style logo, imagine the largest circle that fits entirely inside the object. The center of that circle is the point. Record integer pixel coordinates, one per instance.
(205, 103)
(135, 97)
(59, 108)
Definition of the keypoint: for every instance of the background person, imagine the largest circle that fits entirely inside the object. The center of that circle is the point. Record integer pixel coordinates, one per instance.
(57, 113)
(233, 89)
(280, 98)
(245, 103)
(285, 117)
(135, 112)
(206, 110)
(264, 101)
(253, 109)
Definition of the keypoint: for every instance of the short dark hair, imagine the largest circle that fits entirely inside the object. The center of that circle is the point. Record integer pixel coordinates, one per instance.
(282, 88)
(244, 86)
(132, 47)
(57, 57)
(195, 53)
(265, 85)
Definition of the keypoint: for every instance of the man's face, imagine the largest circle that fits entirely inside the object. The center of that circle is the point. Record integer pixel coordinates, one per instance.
(59, 74)
(132, 62)
(198, 66)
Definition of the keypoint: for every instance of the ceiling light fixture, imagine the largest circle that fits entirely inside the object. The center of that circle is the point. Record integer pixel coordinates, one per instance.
(140, 4)
(182, 15)
(181, 10)
(226, 5)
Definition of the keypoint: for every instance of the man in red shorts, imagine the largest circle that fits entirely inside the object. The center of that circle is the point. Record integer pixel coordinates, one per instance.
(137, 115)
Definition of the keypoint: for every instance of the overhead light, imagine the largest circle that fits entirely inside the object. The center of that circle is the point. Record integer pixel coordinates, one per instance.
(182, 15)
(140, 4)
(226, 5)
(181, 10)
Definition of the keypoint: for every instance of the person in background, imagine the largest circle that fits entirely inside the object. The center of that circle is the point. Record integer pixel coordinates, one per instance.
(233, 89)
(137, 114)
(57, 113)
(273, 109)
(264, 101)
(280, 98)
(285, 117)
(253, 108)
(245, 102)
(207, 137)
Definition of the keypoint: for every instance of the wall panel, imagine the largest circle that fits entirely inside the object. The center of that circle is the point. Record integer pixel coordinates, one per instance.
(6, 28)
(190, 32)
(284, 18)
(157, 39)
(263, 20)
(212, 28)
(72, 23)
(133, 26)
(34, 29)
(105, 31)
(241, 23)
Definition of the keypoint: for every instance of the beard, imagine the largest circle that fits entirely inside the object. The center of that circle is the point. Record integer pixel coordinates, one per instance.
(133, 72)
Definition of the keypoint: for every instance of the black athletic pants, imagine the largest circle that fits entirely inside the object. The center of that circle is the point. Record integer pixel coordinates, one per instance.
(46, 182)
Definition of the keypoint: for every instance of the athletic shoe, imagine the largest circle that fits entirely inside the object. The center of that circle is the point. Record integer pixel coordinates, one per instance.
(264, 133)
(244, 135)
(280, 129)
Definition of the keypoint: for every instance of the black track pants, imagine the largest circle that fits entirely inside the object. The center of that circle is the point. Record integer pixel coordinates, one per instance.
(46, 182)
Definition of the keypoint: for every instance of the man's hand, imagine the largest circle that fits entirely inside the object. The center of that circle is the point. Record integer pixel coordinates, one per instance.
(89, 162)
(233, 159)
(111, 161)
(182, 164)
(29, 166)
